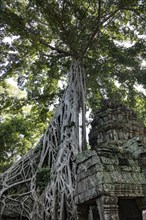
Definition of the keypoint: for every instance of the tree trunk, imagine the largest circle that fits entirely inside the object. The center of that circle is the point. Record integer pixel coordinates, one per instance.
(56, 151)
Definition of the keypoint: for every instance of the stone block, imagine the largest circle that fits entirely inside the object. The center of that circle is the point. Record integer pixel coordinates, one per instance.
(91, 194)
(106, 160)
(85, 155)
(125, 168)
(87, 172)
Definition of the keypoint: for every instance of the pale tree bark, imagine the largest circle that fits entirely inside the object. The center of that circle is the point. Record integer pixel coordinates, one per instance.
(56, 150)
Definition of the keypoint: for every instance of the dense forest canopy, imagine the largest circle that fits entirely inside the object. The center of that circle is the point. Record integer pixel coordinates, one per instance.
(44, 36)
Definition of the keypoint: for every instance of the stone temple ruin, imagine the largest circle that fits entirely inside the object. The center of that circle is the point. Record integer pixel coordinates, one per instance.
(110, 180)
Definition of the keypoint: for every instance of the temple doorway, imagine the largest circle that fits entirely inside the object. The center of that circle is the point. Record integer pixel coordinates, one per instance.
(88, 212)
(130, 209)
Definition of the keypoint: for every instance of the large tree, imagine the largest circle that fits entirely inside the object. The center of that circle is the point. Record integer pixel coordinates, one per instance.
(46, 35)
(47, 38)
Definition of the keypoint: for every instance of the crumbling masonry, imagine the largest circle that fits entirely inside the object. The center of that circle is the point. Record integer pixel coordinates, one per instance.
(109, 182)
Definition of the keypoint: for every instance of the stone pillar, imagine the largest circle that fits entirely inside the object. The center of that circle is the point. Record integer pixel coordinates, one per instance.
(110, 208)
(144, 215)
(100, 207)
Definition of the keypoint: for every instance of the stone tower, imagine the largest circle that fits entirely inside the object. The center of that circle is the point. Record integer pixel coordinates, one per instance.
(110, 180)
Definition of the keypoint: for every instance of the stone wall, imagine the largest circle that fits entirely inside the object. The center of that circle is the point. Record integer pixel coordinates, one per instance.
(115, 124)
(111, 170)
(107, 174)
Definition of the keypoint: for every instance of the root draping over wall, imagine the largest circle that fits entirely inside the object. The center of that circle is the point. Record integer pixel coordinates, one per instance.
(41, 184)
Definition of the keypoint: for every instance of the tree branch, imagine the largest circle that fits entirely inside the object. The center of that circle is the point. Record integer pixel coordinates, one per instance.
(95, 32)
(97, 29)
(110, 16)
(136, 11)
(13, 19)
(55, 55)
(60, 22)
(58, 50)
(42, 41)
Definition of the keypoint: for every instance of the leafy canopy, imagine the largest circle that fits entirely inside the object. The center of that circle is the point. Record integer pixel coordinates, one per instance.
(47, 34)
(19, 129)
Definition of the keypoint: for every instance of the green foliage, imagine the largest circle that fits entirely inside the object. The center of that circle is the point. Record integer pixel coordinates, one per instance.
(15, 140)
(46, 34)
(20, 127)
(43, 177)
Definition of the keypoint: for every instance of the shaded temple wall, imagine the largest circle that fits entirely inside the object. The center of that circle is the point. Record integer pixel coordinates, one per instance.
(111, 169)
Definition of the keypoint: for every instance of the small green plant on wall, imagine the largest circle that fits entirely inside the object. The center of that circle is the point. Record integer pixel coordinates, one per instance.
(43, 176)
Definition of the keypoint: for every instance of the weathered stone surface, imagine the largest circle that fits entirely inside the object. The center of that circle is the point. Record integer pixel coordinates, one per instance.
(116, 123)
(111, 169)
(108, 173)
(90, 194)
